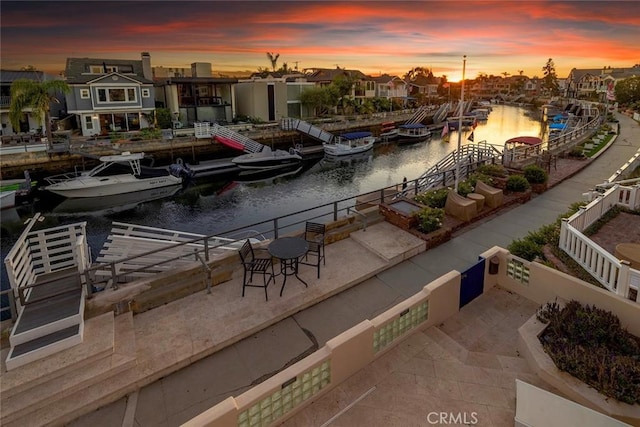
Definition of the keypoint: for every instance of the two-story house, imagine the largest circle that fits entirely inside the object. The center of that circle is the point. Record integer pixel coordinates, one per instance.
(392, 88)
(198, 97)
(29, 121)
(110, 95)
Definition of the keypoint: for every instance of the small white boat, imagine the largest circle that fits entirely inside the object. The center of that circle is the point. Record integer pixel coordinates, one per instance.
(350, 143)
(118, 174)
(7, 199)
(411, 133)
(10, 188)
(267, 159)
(388, 132)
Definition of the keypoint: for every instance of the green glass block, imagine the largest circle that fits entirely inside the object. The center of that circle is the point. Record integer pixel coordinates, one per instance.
(278, 412)
(266, 403)
(243, 419)
(254, 409)
(254, 420)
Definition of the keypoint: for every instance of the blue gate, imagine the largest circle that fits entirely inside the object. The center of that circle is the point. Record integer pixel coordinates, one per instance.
(472, 283)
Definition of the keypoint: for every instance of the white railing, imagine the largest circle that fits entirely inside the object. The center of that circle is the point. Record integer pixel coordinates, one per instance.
(45, 251)
(615, 275)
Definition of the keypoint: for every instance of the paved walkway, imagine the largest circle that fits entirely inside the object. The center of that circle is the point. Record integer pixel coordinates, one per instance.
(184, 394)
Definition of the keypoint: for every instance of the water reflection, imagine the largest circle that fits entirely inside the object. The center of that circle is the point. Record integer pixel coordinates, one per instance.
(215, 205)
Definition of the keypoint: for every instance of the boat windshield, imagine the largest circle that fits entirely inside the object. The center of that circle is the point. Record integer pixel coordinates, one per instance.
(110, 169)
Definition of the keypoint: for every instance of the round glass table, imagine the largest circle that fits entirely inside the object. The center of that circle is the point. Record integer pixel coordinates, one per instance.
(289, 250)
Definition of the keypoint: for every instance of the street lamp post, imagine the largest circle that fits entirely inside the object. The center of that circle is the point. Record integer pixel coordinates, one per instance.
(457, 177)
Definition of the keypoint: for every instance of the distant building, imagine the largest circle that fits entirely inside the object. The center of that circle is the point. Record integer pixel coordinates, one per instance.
(593, 83)
(29, 122)
(110, 95)
(201, 69)
(160, 72)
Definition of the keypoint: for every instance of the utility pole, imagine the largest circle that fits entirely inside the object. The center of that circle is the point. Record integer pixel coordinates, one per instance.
(457, 156)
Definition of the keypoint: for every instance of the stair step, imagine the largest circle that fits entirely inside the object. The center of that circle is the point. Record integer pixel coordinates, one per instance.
(98, 343)
(44, 346)
(93, 379)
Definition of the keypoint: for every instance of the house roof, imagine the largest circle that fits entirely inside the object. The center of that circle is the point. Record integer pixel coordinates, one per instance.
(9, 76)
(386, 78)
(328, 74)
(77, 67)
(221, 80)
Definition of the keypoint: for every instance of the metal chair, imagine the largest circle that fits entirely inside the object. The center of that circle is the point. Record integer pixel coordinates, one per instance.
(314, 234)
(253, 264)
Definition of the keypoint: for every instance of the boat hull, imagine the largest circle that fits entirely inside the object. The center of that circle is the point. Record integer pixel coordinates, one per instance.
(346, 148)
(267, 160)
(7, 199)
(110, 186)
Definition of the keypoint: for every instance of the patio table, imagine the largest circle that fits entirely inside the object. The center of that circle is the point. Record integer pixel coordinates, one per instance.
(629, 252)
(289, 250)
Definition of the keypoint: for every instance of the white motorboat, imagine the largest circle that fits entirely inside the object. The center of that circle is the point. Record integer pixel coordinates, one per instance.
(10, 188)
(410, 133)
(267, 159)
(118, 174)
(7, 199)
(350, 143)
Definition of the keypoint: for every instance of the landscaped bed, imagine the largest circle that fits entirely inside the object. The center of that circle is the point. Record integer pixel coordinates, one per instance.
(590, 344)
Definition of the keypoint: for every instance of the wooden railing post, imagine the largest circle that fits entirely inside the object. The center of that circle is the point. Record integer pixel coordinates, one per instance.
(624, 279)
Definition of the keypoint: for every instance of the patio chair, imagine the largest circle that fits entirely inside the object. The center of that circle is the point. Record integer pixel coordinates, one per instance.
(255, 264)
(314, 235)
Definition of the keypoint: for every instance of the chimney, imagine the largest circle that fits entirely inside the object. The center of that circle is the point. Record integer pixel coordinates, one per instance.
(146, 66)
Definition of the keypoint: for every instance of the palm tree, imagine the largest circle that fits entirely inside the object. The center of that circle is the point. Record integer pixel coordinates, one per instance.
(274, 59)
(37, 95)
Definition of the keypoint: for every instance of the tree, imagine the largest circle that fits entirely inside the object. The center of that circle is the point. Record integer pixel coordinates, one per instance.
(627, 91)
(273, 58)
(319, 98)
(550, 79)
(37, 95)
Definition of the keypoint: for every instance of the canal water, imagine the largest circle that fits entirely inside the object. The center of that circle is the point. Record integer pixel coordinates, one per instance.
(212, 206)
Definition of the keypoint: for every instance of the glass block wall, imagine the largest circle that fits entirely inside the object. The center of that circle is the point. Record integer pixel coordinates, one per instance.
(518, 270)
(396, 328)
(291, 394)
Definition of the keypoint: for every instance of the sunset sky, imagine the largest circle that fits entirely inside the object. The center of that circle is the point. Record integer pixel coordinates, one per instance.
(374, 37)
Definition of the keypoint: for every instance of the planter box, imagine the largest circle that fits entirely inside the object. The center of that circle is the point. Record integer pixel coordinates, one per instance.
(435, 238)
(401, 213)
(539, 188)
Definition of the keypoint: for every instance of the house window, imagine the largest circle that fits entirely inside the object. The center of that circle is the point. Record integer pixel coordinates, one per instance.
(117, 95)
(103, 69)
(84, 93)
(145, 93)
(88, 121)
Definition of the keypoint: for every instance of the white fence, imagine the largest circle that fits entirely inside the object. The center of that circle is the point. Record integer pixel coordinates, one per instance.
(615, 275)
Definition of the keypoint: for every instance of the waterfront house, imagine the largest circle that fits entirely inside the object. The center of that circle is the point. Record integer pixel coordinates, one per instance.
(271, 96)
(199, 97)
(390, 87)
(110, 95)
(594, 82)
(29, 122)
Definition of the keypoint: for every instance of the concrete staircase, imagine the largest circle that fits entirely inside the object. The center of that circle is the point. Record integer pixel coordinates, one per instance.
(58, 389)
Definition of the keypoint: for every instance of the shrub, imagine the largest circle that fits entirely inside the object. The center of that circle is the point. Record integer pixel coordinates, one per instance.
(590, 344)
(517, 183)
(526, 248)
(433, 198)
(429, 219)
(492, 170)
(487, 179)
(464, 188)
(576, 152)
(535, 174)
(150, 133)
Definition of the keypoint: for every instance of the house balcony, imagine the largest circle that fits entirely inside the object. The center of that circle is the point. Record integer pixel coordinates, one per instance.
(201, 101)
(5, 101)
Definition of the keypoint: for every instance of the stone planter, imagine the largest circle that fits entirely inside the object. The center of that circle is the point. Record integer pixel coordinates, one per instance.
(539, 188)
(435, 238)
(541, 363)
(401, 213)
